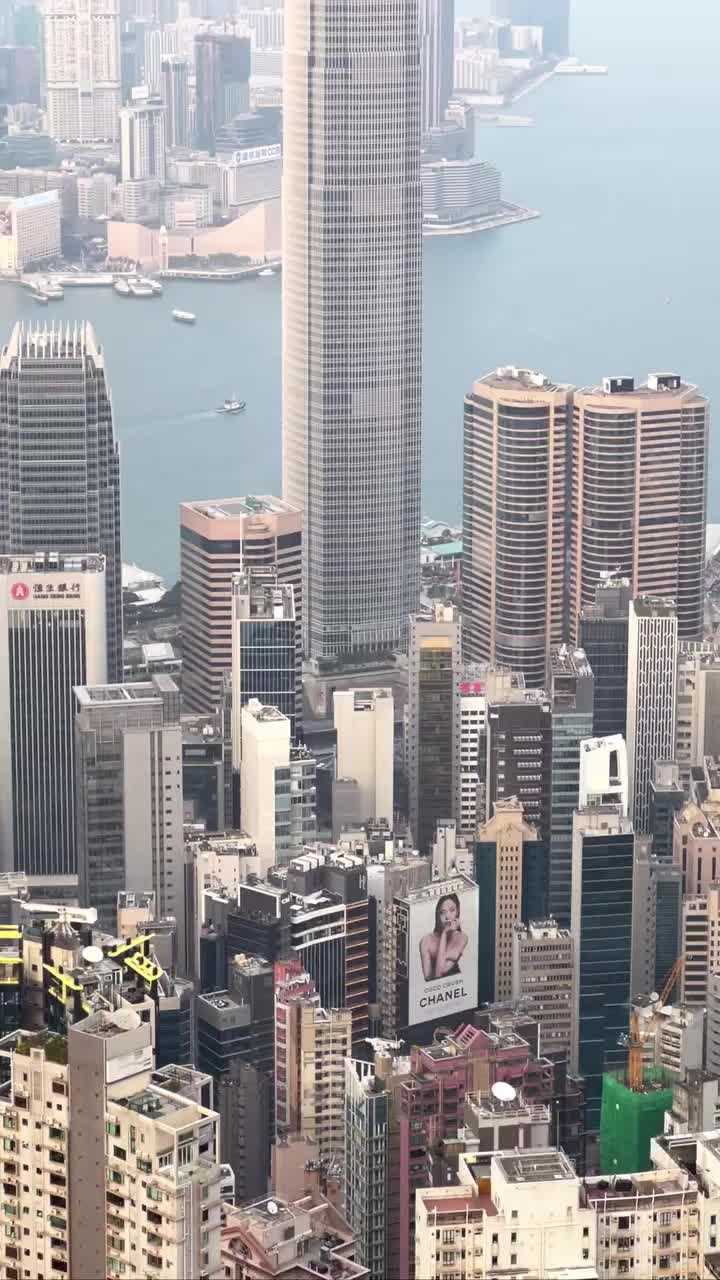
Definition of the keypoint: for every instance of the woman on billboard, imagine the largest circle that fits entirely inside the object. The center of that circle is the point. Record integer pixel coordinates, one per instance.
(441, 950)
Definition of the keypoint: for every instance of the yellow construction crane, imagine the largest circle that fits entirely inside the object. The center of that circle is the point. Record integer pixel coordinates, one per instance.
(635, 1039)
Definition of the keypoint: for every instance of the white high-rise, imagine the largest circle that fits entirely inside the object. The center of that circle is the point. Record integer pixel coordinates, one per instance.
(82, 69)
(365, 727)
(437, 46)
(652, 681)
(352, 316)
(142, 141)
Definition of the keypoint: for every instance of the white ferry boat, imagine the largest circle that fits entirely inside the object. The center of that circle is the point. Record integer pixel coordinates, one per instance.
(231, 406)
(122, 287)
(184, 317)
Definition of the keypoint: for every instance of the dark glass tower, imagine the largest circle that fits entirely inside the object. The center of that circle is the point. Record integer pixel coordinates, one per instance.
(603, 634)
(222, 79)
(59, 461)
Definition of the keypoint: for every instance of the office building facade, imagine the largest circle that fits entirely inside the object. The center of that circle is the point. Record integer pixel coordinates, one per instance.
(571, 691)
(222, 83)
(352, 317)
(519, 754)
(603, 635)
(515, 441)
(543, 979)
(437, 53)
(128, 761)
(277, 787)
(639, 493)
(175, 93)
(218, 539)
(82, 69)
(69, 505)
(652, 683)
(265, 648)
(505, 846)
(601, 927)
(697, 728)
(52, 636)
(433, 742)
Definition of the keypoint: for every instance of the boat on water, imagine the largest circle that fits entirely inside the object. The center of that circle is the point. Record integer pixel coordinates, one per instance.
(42, 298)
(267, 271)
(156, 287)
(231, 406)
(122, 287)
(184, 317)
(140, 288)
(53, 292)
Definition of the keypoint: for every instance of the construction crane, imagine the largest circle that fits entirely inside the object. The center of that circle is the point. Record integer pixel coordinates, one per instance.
(636, 1041)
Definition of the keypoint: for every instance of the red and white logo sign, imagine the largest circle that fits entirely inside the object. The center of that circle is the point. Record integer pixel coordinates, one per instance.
(20, 591)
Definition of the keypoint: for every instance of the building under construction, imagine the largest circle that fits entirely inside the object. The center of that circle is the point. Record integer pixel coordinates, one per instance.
(631, 1118)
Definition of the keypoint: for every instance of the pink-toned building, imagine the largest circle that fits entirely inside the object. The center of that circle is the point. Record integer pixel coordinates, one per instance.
(255, 234)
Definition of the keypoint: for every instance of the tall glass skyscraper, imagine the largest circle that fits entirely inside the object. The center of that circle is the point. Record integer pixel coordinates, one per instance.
(59, 462)
(352, 294)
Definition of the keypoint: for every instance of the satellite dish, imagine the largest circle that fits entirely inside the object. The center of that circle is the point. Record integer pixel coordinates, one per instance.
(126, 1019)
(503, 1091)
(271, 1207)
(92, 955)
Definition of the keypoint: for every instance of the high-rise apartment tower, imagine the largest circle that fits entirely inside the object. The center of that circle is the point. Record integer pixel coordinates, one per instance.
(639, 493)
(352, 316)
(516, 425)
(82, 69)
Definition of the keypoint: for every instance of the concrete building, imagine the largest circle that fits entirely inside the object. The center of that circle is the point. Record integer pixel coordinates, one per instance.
(604, 773)
(128, 790)
(433, 732)
(96, 1085)
(311, 1045)
(543, 978)
(700, 943)
(657, 917)
(697, 728)
(218, 539)
(206, 772)
(277, 787)
(222, 83)
(603, 634)
(649, 1220)
(696, 833)
(95, 195)
(459, 191)
(364, 722)
(49, 501)
(175, 93)
(571, 691)
(266, 649)
(504, 848)
(142, 141)
(352, 318)
(52, 635)
(473, 723)
(386, 882)
(667, 798)
(530, 1213)
(639, 481)
(519, 751)
(652, 682)
(553, 16)
(712, 1045)
(437, 52)
(82, 69)
(280, 1239)
(515, 441)
(601, 926)
(31, 230)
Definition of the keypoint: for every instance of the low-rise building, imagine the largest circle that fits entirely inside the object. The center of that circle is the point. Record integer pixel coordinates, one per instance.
(290, 1240)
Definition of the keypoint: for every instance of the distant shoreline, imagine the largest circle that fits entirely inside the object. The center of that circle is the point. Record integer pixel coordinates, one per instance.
(510, 214)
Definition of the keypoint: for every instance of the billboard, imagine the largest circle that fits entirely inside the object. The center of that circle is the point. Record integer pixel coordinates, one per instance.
(442, 961)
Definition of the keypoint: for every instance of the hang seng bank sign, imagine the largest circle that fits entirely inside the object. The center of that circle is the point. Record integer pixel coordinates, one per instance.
(24, 592)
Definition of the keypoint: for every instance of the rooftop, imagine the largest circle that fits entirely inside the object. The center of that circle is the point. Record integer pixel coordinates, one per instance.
(536, 1166)
(48, 342)
(567, 661)
(44, 562)
(156, 1104)
(654, 606)
(235, 508)
(122, 694)
(510, 378)
(258, 594)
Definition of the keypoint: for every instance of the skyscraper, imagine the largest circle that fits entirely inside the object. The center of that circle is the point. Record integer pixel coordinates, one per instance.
(433, 739)
(175, 93)
(265, 648)
(603, 634)
(365, 728)
(652, 681)
(552, 15)
(59, 463)
(52, 636)
(516, 425)
(222, 79)
(639, 493)
(82, 69)
(437, 52)
(571, 691)
(142, 141)
(352, 319)
(128, 753)
(218, 539)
